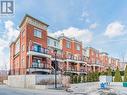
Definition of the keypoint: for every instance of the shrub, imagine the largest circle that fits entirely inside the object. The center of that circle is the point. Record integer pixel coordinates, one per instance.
(117, 76)
(125, 74)
(79, 79)
(75, 79)
(71, 78)
(84, 78)
(90, 77)
(109, 72)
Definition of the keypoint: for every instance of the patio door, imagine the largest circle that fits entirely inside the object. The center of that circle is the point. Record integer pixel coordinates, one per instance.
(37, 63)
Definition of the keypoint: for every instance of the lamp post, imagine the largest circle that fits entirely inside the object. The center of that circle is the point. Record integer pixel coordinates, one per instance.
(55, 51)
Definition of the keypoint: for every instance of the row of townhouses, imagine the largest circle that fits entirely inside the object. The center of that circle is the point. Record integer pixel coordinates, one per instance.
(34, 51)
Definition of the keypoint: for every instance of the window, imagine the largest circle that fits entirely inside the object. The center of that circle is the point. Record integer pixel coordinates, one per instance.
(23, 48)
(48, 41)
(37, 48)
(37, 33)
(77, 47)
(68, 44)
(36, 63)
(17, 47)
(55, 44)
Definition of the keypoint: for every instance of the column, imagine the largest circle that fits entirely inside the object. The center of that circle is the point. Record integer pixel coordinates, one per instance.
(29, 63)
(49, 62)
(100, 69)
(67, 65)
(94, 68)
(86, 70)
(78, 67)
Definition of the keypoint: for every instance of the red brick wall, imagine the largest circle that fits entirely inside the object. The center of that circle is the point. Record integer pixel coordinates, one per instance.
(72, 49)
(12, 49)
(30, 36)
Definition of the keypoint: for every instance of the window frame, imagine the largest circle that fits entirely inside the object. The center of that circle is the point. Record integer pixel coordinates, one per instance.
(78, 47)
(36, 33)
(68, 44)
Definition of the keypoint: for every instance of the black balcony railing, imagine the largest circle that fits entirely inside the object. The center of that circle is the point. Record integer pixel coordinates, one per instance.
(39, 66)
(72, 69)
(77, 58)
(40, 50)
(58, 56)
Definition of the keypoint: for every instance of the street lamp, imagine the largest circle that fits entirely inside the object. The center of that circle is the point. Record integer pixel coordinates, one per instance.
(55, 51)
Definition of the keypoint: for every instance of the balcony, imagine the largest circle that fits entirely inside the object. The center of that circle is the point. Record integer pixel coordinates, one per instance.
(43, 52)
(96, 63)
(38, 67)
(59, 57)
(76, 59)
(74, 70)
(71, 70)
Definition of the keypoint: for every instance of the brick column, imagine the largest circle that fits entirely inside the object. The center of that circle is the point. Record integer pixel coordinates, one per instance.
(78, 67)
(49, 61)
(30, 64)
(67, 65)
(94, 68)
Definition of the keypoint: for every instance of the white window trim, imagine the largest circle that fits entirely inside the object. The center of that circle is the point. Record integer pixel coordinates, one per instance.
(40, 36)
(68, 45)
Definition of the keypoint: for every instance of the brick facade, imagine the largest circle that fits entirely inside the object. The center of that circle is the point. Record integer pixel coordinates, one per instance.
(32, 52)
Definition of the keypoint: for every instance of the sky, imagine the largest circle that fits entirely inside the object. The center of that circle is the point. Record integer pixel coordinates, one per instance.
(101, 24)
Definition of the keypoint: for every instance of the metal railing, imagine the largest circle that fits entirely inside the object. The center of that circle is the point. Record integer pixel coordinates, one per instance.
(77, 58)
(39, 66)
(41, 50)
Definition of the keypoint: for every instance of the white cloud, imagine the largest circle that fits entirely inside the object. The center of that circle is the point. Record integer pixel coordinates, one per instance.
(85, 16)
(83, 35)
(93, 26)
(10, 34)
(114, 29)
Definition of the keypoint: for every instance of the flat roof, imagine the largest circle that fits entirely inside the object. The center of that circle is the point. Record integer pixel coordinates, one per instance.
(71, 39)
(52, 37)
(31, 18)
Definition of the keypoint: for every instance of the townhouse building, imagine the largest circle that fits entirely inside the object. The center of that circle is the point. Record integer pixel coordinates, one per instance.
(94, 59)
(122, 65)
(54, 44)
(73, 55)
(100, 61)
(104, 59)
(34, 51)
(114, 63)
(30, 49)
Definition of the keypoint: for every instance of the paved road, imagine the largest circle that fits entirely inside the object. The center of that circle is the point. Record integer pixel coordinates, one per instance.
(4, 90)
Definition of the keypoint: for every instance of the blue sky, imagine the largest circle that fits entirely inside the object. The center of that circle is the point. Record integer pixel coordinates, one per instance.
(98, 23)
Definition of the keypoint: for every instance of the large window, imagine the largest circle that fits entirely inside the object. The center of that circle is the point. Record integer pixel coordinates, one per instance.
(77, 47)
(49, 41)
(37, 48)
(55, 43)
(68, 44)
(37, 63)
(37, 33)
